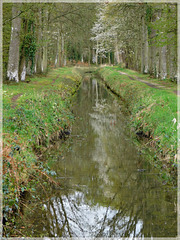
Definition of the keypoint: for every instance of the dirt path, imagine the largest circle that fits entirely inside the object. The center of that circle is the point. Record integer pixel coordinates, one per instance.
(153, 85)
(14, 99)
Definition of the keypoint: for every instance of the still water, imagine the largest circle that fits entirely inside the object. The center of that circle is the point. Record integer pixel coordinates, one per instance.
(107, 188)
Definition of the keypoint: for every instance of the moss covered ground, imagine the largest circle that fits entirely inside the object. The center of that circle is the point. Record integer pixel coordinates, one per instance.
(35, 113)
(153, 115)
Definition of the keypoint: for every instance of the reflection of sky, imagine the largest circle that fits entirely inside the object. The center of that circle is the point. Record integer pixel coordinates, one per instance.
(85, 220)
(111, 147)
(137, 196)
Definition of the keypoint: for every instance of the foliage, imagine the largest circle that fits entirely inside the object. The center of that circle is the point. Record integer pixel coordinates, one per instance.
(165, 24)
(130, 31)
(30, 44)
(7, 8)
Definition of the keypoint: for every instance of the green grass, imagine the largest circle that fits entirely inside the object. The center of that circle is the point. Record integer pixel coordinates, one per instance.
(151, 111)
(30, 122)
(166, 82)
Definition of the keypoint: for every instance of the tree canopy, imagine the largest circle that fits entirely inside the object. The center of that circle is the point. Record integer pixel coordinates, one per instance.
(141, 36)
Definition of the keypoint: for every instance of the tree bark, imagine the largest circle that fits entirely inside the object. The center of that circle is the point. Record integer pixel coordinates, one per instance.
(22, 66)
(45, 45)
(13, 62)
(163, 63)
(62, 50)
(144, 47)
(89, 56)
(109, 58)
(172, 61)
(117, 60)
(97, 53)
(38, 56)
(57, 58)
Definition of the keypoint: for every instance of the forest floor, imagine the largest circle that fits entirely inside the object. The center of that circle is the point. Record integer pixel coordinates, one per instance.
(152, 107)
(35, 113)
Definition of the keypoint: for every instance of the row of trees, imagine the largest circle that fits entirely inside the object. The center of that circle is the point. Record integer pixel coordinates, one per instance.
(141, 36)
(37, 36)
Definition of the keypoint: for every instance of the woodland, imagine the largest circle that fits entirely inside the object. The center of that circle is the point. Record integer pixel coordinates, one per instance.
(142, 37)
(90, 119)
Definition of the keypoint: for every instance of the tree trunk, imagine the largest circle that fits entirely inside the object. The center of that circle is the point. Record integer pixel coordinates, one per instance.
(154, 52)
(97, 53)
(13, 62)
(163, 54)
(89, 56)
(109, 58)
(163, 63)
(116, 55)
(45, 45)
(38, 56)
(172, 53)
(22, 66)
(144, 47)
(172, 61)
(93, 55)
(62, 49)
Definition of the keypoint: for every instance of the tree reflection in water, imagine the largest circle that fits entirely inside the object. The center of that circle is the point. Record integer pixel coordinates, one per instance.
(102, 192)
(66, 218)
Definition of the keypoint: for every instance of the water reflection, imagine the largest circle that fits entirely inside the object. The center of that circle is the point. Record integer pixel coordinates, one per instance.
(103, 193)
(85, 220)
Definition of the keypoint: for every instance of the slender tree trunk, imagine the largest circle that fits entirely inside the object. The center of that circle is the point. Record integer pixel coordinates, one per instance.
(144, 47)
(89, 56)
(163, 55)
(109, 58)
(62, 49)
(172, 61)
(65, 59)
(163, 62)
(172, 52)
(117, 60)
(22, 67)
(97, 53)
(93, 55)
(22, 64)
(154, 63)
(56, 63)
(38, 56)
(157, 62)
(13, 62)
(45, 45)
(136, 58)
(121, 56)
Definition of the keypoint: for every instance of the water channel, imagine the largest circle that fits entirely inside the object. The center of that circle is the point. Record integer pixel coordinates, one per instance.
(107, 187)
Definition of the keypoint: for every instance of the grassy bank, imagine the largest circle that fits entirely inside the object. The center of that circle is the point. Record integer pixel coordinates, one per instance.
(153, 115)
(35, 113)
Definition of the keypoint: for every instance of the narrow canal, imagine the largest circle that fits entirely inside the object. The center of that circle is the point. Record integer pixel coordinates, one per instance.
(107, 188)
